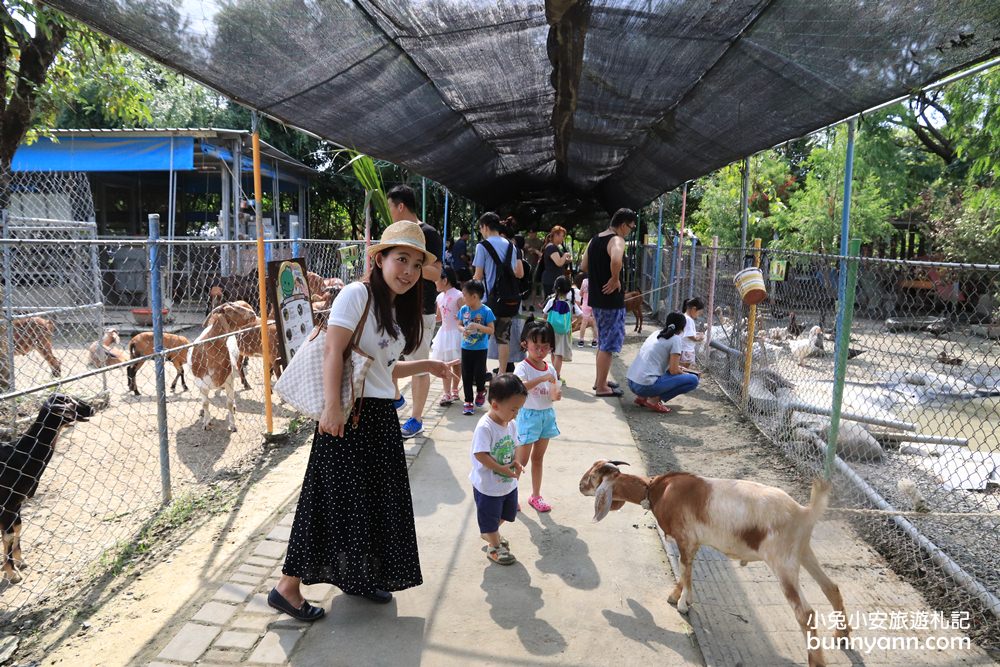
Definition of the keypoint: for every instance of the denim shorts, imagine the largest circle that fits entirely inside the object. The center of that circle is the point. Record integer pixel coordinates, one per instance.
(532, 425)
(491, 509)
(610, 329)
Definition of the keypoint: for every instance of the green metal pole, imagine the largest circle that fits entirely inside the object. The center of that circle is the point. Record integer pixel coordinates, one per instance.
(840, 363)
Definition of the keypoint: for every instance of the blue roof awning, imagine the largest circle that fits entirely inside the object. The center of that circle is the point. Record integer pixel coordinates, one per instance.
(246, 162)
(106, 154)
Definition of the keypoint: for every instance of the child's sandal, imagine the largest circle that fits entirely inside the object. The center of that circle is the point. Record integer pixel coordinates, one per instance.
(500, 555)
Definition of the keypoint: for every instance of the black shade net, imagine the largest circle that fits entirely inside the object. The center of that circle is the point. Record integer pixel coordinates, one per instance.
(562, 101)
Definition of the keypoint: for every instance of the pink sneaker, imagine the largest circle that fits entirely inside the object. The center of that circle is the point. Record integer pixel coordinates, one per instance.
(539, 504)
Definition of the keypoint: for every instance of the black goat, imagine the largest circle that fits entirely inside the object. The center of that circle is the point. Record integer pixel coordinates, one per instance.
(22, 463)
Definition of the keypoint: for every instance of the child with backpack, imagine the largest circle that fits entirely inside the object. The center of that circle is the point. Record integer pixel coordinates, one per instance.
(559, 312)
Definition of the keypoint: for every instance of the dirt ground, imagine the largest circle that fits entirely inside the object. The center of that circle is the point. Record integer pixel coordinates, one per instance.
(103, 483)
(707, 435)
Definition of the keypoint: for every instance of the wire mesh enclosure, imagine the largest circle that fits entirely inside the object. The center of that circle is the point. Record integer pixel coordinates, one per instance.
(76, 320)
(919, 440)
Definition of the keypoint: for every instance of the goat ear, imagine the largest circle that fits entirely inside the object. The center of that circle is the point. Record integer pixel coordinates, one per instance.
(602, 498)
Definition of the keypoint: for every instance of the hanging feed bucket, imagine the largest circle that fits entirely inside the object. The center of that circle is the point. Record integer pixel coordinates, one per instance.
(750, 284)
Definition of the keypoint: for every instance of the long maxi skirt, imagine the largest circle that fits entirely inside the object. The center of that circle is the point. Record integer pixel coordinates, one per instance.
(353, 525)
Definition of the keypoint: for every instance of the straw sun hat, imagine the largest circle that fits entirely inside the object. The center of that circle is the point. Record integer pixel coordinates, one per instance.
(403, 233)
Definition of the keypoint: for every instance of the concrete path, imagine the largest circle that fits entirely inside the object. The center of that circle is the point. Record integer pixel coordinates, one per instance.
(581, 593)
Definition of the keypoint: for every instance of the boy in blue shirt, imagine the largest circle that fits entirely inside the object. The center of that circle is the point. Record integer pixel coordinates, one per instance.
(475, 321)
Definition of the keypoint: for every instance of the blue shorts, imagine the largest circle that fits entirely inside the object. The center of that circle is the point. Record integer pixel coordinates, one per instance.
(491, 509)
(532, 425)
(610, 329)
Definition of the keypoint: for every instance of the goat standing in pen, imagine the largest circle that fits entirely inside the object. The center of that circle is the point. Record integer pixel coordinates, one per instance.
(141, 345)
(35, 333)
(744, 520)
(214, 362)
(22, 464)
(105, 352)
(633, 304)
(249, 345)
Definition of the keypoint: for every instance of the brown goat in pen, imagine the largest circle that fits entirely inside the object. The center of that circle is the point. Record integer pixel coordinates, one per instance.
(35, 333)
(141, 345)
(249, 345)
(633, 304)
(214, 362)
(744, 520)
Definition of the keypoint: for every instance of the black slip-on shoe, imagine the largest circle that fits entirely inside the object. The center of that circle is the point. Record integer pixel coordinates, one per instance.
(306, 612)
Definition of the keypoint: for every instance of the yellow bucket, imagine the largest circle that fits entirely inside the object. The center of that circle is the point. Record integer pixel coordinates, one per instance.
(750, 283)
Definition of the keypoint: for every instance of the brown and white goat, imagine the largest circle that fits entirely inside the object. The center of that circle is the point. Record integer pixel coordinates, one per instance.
(633, 304)
(105, 352)
(141, 345)
(35, 333)
(249, 345)
(214, 362)
(744, 520)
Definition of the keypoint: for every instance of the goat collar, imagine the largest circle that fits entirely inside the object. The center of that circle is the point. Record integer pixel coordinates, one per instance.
(645, 504)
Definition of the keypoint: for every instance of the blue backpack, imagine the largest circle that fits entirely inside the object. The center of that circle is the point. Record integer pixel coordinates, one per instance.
(560, 316)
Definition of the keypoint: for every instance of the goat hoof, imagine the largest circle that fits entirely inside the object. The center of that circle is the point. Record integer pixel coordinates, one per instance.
(232, 429)
(14, 578)
(683, 607)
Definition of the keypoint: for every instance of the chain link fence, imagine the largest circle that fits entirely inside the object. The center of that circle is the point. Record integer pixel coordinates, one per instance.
(919, 440)
(77, 319)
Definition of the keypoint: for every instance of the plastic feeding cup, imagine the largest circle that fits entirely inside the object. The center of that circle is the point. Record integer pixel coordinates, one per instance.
(750, 284)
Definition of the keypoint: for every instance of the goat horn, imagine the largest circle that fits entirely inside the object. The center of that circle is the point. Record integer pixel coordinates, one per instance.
(618, 463)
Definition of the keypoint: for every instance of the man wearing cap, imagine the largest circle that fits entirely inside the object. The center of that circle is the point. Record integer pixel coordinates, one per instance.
(402, 202)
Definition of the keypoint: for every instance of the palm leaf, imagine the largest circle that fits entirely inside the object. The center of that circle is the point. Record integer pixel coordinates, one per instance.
(370, 178)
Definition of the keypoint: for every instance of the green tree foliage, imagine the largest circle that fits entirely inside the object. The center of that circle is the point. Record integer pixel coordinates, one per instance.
(47, 61)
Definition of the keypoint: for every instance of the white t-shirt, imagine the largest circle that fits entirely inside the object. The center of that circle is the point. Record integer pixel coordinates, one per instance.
(690, 330)
(346, 312)
(539, 397)
(653, 359)
(499, 442)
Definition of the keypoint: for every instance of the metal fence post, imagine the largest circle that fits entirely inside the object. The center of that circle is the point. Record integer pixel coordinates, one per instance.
(659, 262)
(751, 325)
(692, 269)
(295, 231)
(444, 238)
(673, 274)
(8, 313)
(156, 306)
(845, 318)
(713, 263)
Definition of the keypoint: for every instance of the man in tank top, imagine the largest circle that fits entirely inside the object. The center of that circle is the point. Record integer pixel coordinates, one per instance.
(603, 261)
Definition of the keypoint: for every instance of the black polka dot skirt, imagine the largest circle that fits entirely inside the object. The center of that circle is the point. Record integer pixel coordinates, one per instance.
(354, 522)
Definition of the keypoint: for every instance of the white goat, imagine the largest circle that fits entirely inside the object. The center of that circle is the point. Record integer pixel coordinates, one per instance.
(800, 348)
(213, 363)
(744, 520)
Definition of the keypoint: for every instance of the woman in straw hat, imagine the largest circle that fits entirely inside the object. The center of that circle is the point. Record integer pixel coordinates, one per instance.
(354, 521)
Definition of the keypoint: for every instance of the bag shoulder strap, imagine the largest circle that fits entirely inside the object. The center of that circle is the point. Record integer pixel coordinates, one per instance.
(504, 266)
(360, 328)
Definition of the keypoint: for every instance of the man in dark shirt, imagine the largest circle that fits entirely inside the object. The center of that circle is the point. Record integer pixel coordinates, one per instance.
(402, 202)
(603, 262)
(460, 257)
